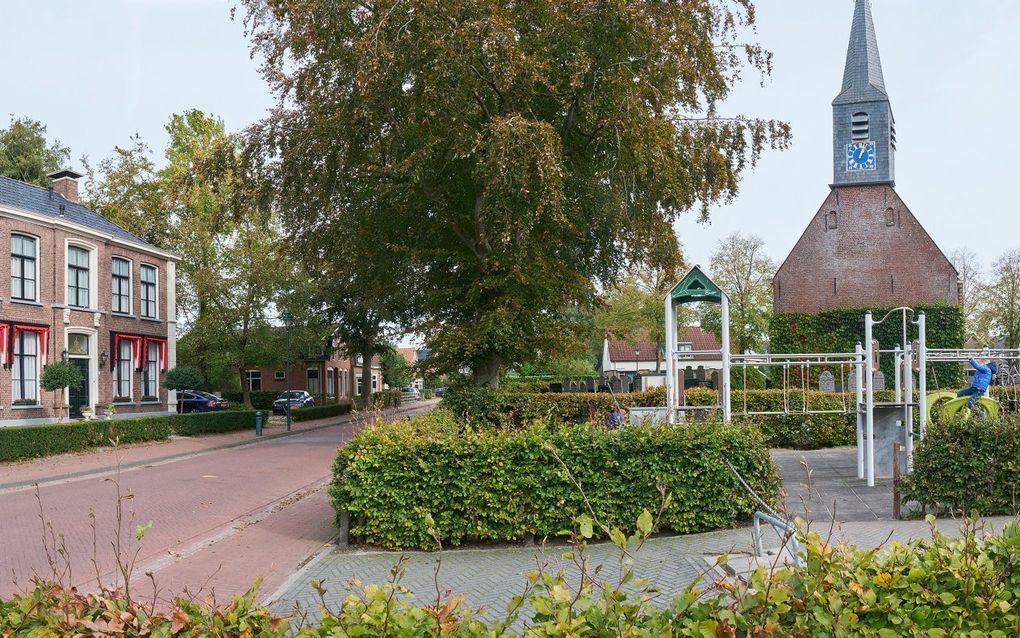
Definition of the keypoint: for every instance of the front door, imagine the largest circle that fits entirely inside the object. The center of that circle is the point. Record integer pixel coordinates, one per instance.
(79, 396)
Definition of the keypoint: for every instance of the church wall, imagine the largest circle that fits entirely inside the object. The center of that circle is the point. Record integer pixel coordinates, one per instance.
(863, 248)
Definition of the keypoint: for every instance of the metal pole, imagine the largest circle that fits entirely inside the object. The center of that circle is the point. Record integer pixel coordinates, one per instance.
(287, 320)
(908, 406)
(897, 378)
(869, 408)
(922, 376)
(859, 368)
(671, 402)
(725, 383)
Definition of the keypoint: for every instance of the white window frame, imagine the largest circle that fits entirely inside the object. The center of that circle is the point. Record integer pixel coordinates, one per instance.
(35, 240)
(15, 377)
(248, 378)
(318, 381)
(146, 375)
(279, 375)
(330, 382)
(93, 279)
(131, 286)
(141, 288)
(115, 377)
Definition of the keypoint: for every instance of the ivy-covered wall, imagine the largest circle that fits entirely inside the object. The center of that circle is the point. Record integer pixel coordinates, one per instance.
(841, 330)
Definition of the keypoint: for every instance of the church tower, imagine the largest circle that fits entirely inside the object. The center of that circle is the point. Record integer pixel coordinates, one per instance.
(863, 128)
(864, 247)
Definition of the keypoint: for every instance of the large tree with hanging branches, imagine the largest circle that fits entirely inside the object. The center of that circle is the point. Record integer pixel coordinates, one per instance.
(522, 154)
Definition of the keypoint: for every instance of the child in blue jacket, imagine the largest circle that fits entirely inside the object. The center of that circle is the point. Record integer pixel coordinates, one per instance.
(984, 370)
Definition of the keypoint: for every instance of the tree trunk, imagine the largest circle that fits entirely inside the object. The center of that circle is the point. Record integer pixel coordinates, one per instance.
(245, 388)
(486, 372)
(366, 375)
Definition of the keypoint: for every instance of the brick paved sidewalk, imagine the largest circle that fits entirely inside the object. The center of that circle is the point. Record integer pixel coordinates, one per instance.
(103, 460)
(489, 578)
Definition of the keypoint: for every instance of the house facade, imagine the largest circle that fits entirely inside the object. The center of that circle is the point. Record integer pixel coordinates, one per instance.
(331, 376)
(79, 288)
(622, 356)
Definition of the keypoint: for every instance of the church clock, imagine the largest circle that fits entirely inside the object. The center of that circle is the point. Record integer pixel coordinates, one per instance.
(860, 156)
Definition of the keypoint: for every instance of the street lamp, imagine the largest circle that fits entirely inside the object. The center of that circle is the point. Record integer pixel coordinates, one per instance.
(287, 319)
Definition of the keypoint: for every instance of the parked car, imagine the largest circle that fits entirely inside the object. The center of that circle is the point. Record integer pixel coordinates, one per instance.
(297, 399)
(438, 392)
(410, 394)
(198, 401)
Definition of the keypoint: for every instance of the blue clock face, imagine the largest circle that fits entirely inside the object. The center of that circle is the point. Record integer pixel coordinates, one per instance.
(860, 156)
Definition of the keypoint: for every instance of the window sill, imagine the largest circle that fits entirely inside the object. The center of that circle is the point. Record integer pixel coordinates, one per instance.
(26, 406)
(26, 302)
(78, 308)
(152, 319)
(124, 315)
(124, 402)
(151, 403)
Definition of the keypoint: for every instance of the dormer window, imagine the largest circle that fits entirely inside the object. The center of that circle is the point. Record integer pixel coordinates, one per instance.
(860, 127)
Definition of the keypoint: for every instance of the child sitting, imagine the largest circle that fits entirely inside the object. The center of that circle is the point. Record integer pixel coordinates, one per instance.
(984, 370)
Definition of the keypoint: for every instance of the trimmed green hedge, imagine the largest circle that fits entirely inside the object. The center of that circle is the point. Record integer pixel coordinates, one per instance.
(211, 422)
(381, 400)
(31, 441)
(259, 400)
(496, 486)
(968, 465)
(320, 411)
(510, 408)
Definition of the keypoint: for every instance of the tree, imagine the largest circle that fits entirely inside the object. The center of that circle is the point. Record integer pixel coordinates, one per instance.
(744, 271)
(1000, 299)
(521, 153)
(395, 369)
(183, 378)
(968, 267)
(60, 376)
(26, 155)
(128, 191)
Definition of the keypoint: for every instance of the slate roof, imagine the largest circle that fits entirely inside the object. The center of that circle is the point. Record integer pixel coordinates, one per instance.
(41, 201)
(862, 77)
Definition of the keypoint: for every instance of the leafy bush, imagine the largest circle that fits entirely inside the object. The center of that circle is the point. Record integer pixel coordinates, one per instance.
(320, 411)
(428, 394)
(195, 423)
(938, 587)
(500, 485)
(262, 400)
(381, 400)
(970, 465)
(509, 408)
(183, 378)
(30, 441)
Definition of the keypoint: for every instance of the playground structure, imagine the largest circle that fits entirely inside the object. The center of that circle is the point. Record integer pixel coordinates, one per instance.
(880, 425)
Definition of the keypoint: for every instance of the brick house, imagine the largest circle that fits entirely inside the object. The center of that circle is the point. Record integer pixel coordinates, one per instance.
(329, 375)
(80, 288)
(623, 356)
(863, 247)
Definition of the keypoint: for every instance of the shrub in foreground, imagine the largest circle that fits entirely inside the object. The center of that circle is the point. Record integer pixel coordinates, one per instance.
(937, 587)
(969, 465)
(30, 441)
(493, 486)
(195, 423)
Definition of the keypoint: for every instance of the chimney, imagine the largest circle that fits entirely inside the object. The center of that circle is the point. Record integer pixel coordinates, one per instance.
(65, 182)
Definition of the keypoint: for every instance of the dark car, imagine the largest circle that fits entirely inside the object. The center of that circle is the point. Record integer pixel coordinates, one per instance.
(198, 401)
(438, 392)
(297, 399)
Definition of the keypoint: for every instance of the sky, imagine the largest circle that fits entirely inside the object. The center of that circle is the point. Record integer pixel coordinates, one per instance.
(97, 72)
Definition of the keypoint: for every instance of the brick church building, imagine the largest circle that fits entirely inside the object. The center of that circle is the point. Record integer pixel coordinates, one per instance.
(864, 247)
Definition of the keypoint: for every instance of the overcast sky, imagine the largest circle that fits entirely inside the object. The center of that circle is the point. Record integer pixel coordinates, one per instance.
(97, 72)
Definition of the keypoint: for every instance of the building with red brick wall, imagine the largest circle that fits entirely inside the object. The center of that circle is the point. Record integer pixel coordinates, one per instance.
(80, 288)
(330, 375)
(863, 247)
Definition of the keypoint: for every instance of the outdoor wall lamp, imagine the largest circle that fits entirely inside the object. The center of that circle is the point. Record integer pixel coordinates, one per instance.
(103, 357)
(63, 355)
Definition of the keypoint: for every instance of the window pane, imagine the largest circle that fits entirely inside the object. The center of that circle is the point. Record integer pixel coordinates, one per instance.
(121, 267)
(149, 274)
(78, 344)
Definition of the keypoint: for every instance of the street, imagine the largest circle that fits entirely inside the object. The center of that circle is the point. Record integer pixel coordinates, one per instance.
(219, 519)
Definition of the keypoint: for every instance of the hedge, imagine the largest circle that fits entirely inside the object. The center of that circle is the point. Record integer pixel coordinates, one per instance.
(495, 486)
(30, 441)
(262, 400)
(381, 400)
(841, 330)
(941, 586)
(320, 411)
(968, 465)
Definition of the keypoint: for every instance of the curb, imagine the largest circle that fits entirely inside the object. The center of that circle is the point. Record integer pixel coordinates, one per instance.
(160, 460)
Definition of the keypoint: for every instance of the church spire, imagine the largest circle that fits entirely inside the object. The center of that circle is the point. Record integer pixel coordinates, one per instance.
(862, 76)
(863, 128)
